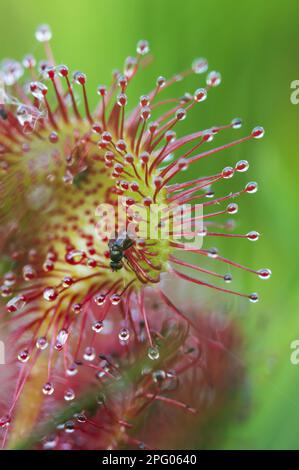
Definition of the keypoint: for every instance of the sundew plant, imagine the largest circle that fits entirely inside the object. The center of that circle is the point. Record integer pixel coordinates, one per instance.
(98, 354)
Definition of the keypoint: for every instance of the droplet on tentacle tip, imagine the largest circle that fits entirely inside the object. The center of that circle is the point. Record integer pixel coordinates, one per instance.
(50, 442)
(77, 308)
(242, 166)
(124, 335)
(258, 132)
(10, 278)
(24, 356)
(29, 272)
(41, 343)
(253, 236)
(43, 33)
(213, 79)
(79, 78)
(200, 65)
(69, 427)
(29, 61)
(72, 370)
(213, 252)
(48, 388)
(200, 94)
(74, 257)
(232, 208)
(115, 299)
(69, 394)
(159, 376)
(153, 353)
(50, 294)
(100, 299)
(142, 47)
(89, 353)
(228, 278)
(17, 303)
(227, 172)
(181, 114)
(264, 273)
(5, 291)
(236, 123)
(80, 417)
(254, 297)
(98, 326)
(38, 90)
(61, 339)
(251, 187)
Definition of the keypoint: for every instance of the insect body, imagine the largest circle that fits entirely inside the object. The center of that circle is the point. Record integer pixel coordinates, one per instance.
(117, 248)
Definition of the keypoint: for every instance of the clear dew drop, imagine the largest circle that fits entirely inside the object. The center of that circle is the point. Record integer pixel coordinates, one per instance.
(236, 123)
(74, 257)
(208, 135)
(69, 427)
(200, 65)
(264, 273)
(170, 136)
(29, 272)
(50, 294)
(253, 236)
(72, 370)
(48, 388)
(62, 70)
(41, 343)
(24, 356)
(254, 297)
(242, 166)
(11, 71)
(129, 67)
(213, 79)
(258, 132)
(124, 335)
(61, 339)
(43, 33)
(228, 278)
(161, 81)
(69, 394)
(89, 353)
(181, 114)
(142, 47)
(77, 308)
(98, 326)
(79, 78)
(38, 90)
(227, 172)
(15, 304)
(100, 299)
(115, 299)
(10, 278)
(232, 208)
(212, 253)
(67, 282)
(81, 418)
(200, 94)
(24, 116)
(5, 291)
(251, 187)
(50, 442)
(153, 353)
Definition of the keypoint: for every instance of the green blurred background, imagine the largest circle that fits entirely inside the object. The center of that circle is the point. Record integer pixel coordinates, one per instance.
(255, 46)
